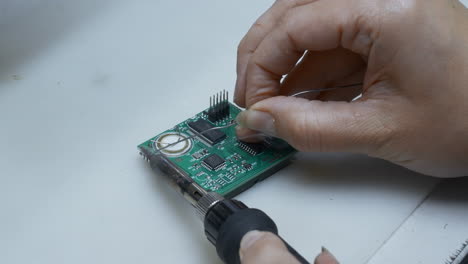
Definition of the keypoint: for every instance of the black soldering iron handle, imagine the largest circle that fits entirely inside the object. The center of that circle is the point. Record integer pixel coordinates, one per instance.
(228, 221)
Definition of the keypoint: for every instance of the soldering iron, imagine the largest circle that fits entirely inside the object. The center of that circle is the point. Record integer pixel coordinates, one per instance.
(225, 221)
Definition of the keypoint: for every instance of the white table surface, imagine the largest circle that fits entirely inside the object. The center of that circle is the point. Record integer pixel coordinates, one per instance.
(83, 82)
(435, 231)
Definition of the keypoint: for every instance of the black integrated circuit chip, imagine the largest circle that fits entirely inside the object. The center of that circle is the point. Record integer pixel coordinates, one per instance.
(247, 166)
(212, 136)
(253, 148)
(213, 162)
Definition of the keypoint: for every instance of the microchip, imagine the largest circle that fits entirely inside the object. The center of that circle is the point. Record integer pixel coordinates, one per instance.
(213, 162)
(253, 148)
(197, 155)
(247, 166)
(212, 136)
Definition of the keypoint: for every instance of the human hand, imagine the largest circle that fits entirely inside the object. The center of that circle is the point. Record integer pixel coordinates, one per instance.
(411, 55)
(264, 247)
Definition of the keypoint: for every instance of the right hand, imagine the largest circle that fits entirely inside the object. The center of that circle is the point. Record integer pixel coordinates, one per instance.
(264, 247)
(411, 55)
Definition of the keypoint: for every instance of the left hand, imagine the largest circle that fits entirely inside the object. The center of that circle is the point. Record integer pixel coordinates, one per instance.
(264, 247)
(411, 56)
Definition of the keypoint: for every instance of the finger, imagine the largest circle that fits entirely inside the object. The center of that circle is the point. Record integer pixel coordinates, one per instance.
(279, 51)
(323, 69)
(264, 247)
(323, 126)
(264, 25)
(325, 258)
(345, 93)
(248, 135)
(340, 94)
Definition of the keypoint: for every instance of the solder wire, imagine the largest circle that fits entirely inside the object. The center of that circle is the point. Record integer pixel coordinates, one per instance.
(234, 123)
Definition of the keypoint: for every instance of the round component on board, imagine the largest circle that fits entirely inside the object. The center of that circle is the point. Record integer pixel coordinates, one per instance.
(163, 141)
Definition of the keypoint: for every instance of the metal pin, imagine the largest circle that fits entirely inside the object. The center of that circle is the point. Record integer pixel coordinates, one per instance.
(225, 97)
(225, 105)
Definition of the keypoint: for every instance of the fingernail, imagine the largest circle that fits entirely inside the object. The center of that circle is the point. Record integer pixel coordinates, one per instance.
(325, 257)
(257, 120)
(248, 240)
(248, 135)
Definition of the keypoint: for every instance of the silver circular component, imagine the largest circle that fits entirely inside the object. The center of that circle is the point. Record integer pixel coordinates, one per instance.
(165, 140)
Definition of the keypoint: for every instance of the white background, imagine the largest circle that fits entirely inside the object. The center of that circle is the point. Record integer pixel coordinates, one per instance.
(83, 82)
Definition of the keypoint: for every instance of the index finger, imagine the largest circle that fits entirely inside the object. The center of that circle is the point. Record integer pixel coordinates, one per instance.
(318, 26)
(264, 25)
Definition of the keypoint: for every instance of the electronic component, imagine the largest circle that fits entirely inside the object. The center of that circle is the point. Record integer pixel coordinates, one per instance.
(253, 148)
(213, 162)
(197, 155)
(172, 137)
(212, 136)
(219, 107)
(236, 166)
(247, 166)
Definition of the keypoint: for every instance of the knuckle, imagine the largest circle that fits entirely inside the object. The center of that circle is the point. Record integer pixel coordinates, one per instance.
(242, 46)
(301, 133)
(257, 62)
(290, 28)
(290, 13)
(360, 40)
(246, 45)
(293, 3)
(288, 16)
(385, 135)
(285, 2)
(262, 91)
(313, 138)
(301, 139)
(257, 25)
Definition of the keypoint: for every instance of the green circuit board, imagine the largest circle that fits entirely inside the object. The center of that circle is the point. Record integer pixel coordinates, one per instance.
(220, 162)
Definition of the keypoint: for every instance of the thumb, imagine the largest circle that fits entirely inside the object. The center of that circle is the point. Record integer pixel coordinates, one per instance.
(264, 247)
(325, 257)
(358, 126)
